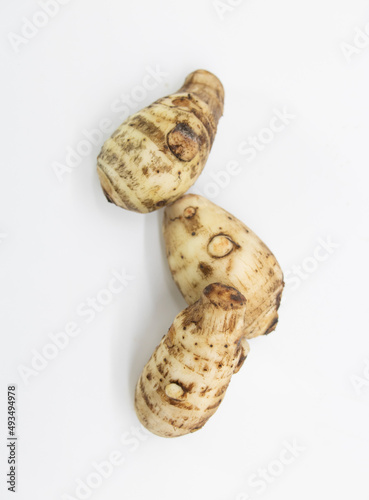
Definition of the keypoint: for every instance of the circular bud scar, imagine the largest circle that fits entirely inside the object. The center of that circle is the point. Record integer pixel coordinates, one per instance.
(220, 246)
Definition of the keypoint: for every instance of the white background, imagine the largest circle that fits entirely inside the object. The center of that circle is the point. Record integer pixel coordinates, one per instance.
(307, 382)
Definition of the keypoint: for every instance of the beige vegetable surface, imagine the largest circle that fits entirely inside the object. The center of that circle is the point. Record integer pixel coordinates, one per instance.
(206, 244)
(156, 155)
(185, 380)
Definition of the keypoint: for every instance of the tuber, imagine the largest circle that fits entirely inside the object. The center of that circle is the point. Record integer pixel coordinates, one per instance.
(156, 155)
(206, 244)
(185, 380)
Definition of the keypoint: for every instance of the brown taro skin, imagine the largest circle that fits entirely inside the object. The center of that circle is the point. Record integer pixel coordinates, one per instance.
(186, 378)
(156, 155)
(206, 244)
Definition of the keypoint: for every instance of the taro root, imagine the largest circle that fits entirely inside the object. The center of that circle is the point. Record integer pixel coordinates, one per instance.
(185, 380)
(156, 155)
(206, 244)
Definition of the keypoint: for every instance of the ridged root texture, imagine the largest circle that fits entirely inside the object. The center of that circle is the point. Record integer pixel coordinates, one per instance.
(185, 380)
(156, 155)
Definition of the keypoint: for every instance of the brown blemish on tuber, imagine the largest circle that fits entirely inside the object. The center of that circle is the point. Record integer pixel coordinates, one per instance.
(189, 212)
(205, 269)
(183, 142)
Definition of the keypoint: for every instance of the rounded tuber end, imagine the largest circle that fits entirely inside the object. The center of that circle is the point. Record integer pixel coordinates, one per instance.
(208, 88)
(203, 77)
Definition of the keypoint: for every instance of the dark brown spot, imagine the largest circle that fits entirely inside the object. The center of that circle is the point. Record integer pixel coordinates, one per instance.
(221, 390)
(160, 369)
(272, 326)
(205, 269)
(204, 391)
(215, 405)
